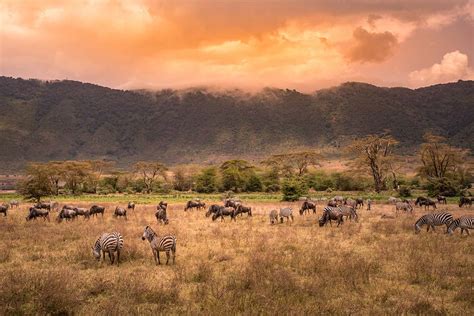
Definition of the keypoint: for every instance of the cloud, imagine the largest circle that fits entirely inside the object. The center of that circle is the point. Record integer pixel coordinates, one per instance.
(371, 47)
(453, 66)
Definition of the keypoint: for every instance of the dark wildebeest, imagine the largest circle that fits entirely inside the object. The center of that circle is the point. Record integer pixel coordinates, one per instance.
(442, 199)
(243, 209)
(194, 204)
(161, 216)
(66, 214)
(213, 209)
(37, 212)
(14, 203)
(273, 216)
(131, 206)
(97, 209)
(307, 206)
(359, 203)
(330, 214)
(82, 212)
(162, 205)
(419, 200)
(287, 213)
(465, 200)
(45, 206)
(224, 211)
(427, 203)
(120, 211)
(4, 209)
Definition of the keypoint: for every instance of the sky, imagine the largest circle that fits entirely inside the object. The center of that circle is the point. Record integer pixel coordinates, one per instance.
(249, 44)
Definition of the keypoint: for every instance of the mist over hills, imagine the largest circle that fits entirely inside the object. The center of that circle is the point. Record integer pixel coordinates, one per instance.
(55, 120)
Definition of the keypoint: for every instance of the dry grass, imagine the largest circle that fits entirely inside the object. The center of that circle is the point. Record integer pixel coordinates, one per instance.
(376, 266)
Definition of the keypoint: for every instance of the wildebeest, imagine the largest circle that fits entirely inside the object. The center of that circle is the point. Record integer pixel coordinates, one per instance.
(287, 213)
(330, 214)
(403, 206)
(427, 203)
(307, 206)
(419, 200)
(120, 211)
(359, 203)
(212, 209)
(82, 212)
(224, 211)
(46, 206)
(194, 204)
(243, 209)
(4, 209)
(161, 216)
(14, 203)
(273, 216)
(37, 212)
(163, 205)
(465, 200)
(131, 206)
(66, 214)
(232, 203)
(96, 209)
(442, 199)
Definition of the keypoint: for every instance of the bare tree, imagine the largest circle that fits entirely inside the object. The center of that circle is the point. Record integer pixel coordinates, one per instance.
(149, 171)
(298, 162)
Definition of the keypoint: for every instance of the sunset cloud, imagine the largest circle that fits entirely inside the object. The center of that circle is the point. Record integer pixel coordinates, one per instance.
(299, 44)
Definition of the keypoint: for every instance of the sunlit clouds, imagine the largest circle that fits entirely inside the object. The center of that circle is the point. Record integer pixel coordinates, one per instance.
(298, 44)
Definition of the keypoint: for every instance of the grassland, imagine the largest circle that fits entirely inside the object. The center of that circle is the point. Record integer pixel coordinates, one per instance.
(375, 266)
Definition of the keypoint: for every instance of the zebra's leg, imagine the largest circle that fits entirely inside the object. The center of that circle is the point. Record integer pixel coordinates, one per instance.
(118, 257)
(103, 256)
(167, 256)
(292, 219)
(154, 256)
(158, 256)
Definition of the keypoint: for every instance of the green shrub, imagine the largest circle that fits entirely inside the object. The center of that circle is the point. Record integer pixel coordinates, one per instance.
(293, 189)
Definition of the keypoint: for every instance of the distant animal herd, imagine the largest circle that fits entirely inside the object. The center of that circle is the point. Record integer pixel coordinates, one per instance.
(337, 209)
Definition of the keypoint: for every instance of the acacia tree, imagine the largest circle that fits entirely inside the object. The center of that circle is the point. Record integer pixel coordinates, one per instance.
(75, 174)
(37, 183)
(98, 167)
(236, 174)
(291, 163)
(374, 154)
(149, 171)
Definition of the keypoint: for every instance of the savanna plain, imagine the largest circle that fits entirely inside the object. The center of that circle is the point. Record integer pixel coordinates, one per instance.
(371, 267)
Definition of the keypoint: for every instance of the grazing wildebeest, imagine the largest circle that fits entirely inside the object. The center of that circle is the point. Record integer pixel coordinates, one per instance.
(14, 203)
(161, 216)
(213, 209)
(307, 206)
(465, 200)
(287, 213)
(224, 211)
(330, 214)
(243, 209)
(359, 203)
(419, 200)
(427, 203)
(273, 216)
(403, 206)
(66, 214)
(37, 212)
(120, 211)
(97, 209)
(131, 206)
(82, 212)
(442, 199)
(45, 206)
(4, 209)
(194, 204)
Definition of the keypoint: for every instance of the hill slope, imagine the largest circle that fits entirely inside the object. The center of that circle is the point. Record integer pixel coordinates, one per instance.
(72, 120)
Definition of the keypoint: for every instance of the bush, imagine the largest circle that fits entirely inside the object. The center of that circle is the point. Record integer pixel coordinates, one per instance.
(293, 189)
(404, 191)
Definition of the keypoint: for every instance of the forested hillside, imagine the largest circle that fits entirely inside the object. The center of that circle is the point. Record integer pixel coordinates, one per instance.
(41, 121)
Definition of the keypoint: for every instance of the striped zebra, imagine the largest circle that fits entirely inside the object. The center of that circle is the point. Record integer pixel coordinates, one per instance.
(432, 220)
(110, 243)
(331, 213)
(464, 222)
(166, 243)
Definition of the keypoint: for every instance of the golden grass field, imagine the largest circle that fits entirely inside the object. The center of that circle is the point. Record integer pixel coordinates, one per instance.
(376, 266)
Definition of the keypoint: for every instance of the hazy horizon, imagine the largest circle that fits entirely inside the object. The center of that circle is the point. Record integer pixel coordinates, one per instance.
(303, 45)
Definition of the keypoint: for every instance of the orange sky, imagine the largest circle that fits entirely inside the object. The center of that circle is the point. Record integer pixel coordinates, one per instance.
(300, 44)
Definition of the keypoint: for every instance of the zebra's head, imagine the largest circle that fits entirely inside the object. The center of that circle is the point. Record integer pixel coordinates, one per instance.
(96, 250)
(148, 234)
(417, 228)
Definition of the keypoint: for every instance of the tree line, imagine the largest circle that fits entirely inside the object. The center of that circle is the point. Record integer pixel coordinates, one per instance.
(375, 166)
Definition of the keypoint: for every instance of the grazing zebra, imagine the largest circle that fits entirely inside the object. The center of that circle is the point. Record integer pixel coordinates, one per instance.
(349, 212)
(464, 222)
(465, 200)
(403, 206)
(224, 211)
(243, 209)
(273, 217)
(442, 199)
(161, 216)
(110, 243)
(166, 243)
(14, 203)
(120, 211)
(194, 204)
(4, 209)
(329, 214)
(432, 220)
(287, 213)
(131, 206)
(96, 209)
(307, 206)
(37, 212)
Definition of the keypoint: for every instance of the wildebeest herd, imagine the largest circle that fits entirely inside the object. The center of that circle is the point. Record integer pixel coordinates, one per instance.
(336, 209)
